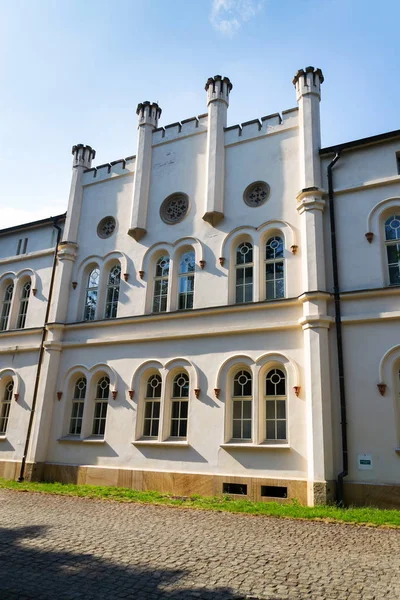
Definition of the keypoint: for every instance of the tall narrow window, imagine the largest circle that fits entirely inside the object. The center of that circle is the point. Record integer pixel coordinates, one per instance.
(242, 405)
(91, 295)
(78, 401)
(100, 406)
(5, 310)
(274, 269)
(152, 406)
(5, 406)
(275, 409)
(392, 236)
(161, 285)
(244, 272)
(23, 305)
(114, 279)
(180, 405)
(186, 281)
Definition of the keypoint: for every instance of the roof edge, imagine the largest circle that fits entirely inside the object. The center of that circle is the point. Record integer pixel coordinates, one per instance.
(33, 224)
(368, 141)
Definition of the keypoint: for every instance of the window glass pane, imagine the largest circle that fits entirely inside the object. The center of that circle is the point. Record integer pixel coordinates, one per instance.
(280, 290)
(393, 253)
(270, 430)
(270, 409)
(175, 428)
(248, 293)
(281, 409)
(244, 253)
(392, 228)
(239, 276)
(156, 410)
(147, 412)
(237, 409)
(175, 410)
(394, 275)
(184, 410)
(246, 429)
(247, 409)
(147, 428)
(183, 429)
(248, 275)
(236, 432)
(154, 428)
(269, 271)
(281, 430)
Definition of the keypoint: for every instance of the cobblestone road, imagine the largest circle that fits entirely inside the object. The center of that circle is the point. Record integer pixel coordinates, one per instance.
(55, 548)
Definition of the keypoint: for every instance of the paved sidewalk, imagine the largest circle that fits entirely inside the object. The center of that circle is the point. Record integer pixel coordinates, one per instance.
(58, 548)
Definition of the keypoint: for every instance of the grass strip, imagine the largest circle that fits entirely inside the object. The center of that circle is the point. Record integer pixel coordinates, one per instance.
(374, 517)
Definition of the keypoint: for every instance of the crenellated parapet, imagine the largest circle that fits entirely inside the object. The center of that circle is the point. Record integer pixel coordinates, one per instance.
(83, 156)
(218, 89)
(308, 81)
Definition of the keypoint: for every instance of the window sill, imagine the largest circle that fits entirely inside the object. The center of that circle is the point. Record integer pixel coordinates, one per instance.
(397, 450)
(78, 440)
(171, 443)
(247, 446)
(3, 437)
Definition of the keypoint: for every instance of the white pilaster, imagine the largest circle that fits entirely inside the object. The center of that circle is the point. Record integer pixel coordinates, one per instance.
(218, 89)
(83, 156)
(148, 120)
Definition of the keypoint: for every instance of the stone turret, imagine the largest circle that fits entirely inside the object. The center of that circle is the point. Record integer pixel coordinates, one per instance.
(148, 115)
(218, 89)
(83, 156)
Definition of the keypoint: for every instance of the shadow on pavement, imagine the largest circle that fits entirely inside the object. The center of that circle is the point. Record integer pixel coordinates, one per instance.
(39, 573)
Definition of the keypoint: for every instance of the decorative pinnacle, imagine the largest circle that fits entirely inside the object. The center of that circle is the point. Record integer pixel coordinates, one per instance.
(308, 81)
(83, 155)
(218, 88)
(148, 113)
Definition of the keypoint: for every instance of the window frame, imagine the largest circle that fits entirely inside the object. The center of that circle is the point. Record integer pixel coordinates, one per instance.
(272, 237)
(6, 305)
(243, 267)
(186, 276)
(77, 400)
(23, 303)
(160, 279)
(275, 398)
(92, 314)
(102, 401)
(242, 371)
(151, 401)
(394, 214)
(7, 394)
(113, 289)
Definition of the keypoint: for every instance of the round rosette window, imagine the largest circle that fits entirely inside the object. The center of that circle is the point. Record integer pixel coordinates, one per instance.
(174, 208)
(256, 194)
(106, 227)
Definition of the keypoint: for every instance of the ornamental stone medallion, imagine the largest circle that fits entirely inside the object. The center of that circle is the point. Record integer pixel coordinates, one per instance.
(106, 227)
(174, 208)
(256, 194)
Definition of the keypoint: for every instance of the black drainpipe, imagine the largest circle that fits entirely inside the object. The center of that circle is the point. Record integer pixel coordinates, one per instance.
(339, 337)
(41, 352)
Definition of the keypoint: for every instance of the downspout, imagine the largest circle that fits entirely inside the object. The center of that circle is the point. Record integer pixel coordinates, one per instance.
(41, 352)
(339, 337)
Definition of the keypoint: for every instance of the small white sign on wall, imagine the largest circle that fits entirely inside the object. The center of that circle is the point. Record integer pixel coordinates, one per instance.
(364, 462)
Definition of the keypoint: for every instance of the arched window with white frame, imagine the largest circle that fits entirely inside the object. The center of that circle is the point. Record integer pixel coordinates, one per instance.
(6, 306)
(242, 401)
(152, 404)
(274, 268)
(180, 405)
(5, 406)
(78, 403)
(187, 265)
(100, 406)
(244, 268)
(23, 304)
(275, 406)
(160, 293)
(392, 242)
(112, 293)
(91, 294)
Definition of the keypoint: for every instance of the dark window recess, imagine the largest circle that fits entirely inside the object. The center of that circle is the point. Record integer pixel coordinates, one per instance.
(234, 488)
(398, 162)
(274, 491)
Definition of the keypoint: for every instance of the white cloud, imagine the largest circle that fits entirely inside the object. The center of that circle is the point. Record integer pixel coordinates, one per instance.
(227, 16)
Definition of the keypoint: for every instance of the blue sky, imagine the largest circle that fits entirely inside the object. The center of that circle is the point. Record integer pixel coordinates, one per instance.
(73, 71)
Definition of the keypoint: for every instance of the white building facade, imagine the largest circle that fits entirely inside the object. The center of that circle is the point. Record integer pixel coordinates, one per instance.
(201, 322)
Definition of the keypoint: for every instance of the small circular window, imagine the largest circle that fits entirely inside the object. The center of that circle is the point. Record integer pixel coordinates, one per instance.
(174, 208)
(106, 227)
(256, 193)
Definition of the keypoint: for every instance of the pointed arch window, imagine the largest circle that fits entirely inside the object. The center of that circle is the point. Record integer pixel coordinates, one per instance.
(78, 401)
(152, 403)
(274, 269)
(5, 406)
(23, 305)
(161, 285)
(6, 306)
(180, 405)
(242, 401)
(113, 283)
(100, 406)
(392, 242)
(186, 281)
(275, 406)
(244, 273)
(92, 288)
